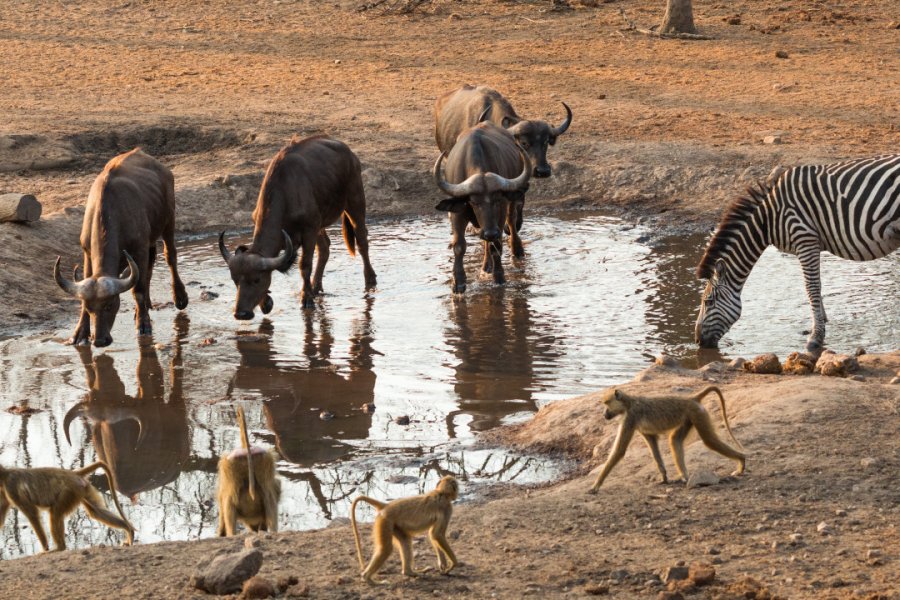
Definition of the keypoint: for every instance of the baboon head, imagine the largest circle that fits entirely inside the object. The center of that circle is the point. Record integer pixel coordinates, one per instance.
(720, 307)
(448, 486)
(252, 274)
(615, 403)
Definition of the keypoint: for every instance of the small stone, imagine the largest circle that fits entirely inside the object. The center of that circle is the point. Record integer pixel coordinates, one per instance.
(664, 360)
(799, 363)
(675, 574)
(226, 572)
(701, 573)
(337, 62)
(207, 342)
(856, 378)
(772, 139)
(596, 590)
(781, 54)
(670, 596)
(207, 295)
(702, 478)
(258, 588)
(894, 381)
(796, 539)
(823, 528)
(859, 351)
(713, 550)
(735, 20)
(764, 364)
(343, 580)
(775, 545)
(284, 582)
(737, 363)
(402, 420)
(868, 462)
(326, 415)
(368, 408)
(297, 591)
(873, 553)
(252, 541)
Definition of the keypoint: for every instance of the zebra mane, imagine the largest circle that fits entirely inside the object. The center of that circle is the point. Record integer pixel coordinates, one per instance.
(733, 219)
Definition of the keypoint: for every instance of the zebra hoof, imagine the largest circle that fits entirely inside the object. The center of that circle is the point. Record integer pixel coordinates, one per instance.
(814, 348)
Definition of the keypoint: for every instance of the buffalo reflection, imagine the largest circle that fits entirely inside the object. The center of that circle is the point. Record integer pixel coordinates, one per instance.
(295, 396)
(498, 343)
(144, 439)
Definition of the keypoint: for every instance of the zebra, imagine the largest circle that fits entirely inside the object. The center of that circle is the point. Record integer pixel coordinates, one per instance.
(850, 209)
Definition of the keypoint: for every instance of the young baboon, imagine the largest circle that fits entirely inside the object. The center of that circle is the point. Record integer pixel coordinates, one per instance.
(240, 474)
(398, 521)
(60, 491)
(654, 416)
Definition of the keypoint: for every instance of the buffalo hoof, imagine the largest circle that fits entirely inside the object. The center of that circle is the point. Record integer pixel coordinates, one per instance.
(371, 282)
(519, 252)
(317, 289)
(181, 301)
(307, 302)
(103, 342)
(145, 329)
(459, 288)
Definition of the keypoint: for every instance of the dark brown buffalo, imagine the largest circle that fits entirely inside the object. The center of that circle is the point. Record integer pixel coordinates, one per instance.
(309, 184)
(130, 206)
(456, 111)
(486, 179)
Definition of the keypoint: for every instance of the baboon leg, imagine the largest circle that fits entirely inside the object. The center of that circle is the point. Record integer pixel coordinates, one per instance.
(95, 507)
(653, 444)
(220, 528)
(712, 441)
(34, 518)
(404, 544)
(439, 541)
(323, 251)
(227, 518)
(58, 529)
(381, 535)
(676, 442)
(626, 431)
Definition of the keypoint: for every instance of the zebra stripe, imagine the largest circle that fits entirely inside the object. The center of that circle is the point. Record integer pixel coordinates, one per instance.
(850, 209)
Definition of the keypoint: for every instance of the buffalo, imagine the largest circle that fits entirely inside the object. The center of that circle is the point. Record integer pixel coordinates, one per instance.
(130, 206)
(464, 107)
(308, 185)
(486, 178)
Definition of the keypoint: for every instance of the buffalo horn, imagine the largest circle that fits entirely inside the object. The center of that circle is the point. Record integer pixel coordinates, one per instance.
(555, 131)
(225, 253)
(283, 260)
(498, 183)
(457, 190)
(70, 287)
(123, 284)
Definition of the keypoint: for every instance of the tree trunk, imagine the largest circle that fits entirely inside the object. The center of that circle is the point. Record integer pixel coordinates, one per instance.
(679, 17)
(19, 208)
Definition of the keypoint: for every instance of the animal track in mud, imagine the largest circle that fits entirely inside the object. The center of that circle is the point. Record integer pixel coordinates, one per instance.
(158, 140)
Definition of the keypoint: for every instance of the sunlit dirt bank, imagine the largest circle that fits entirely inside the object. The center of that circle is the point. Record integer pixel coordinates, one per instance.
(665, 133)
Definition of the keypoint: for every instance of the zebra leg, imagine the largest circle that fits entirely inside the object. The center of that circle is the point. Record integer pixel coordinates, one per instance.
(809, 262)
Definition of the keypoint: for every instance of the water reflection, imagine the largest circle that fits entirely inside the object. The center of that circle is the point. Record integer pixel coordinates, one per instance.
(496, 339)
(144, 438)
(295, 396)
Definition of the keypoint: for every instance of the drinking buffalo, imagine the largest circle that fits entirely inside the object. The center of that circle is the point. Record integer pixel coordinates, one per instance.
(308, 185)
(131, 205)
(464, 107)
(477, 179)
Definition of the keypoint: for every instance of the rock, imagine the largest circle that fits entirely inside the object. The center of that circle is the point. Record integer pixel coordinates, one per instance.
(894, 381)
(206, 295)
(783, 87)
(702, 478)
(670, 596)
(771, 139)
(675, 574)
(735, 20)
(872, 553)
(683, 586)
(737, 364)
(368, 408)
(868, 462)
(619, 575)
(326, 415)
(297, 591)
(714, 550)
(207, 341)
(714, 367)
(823, 528)
(252, 541)
(781, 54)
(796, 539)
(596, 590)
(856, 378)
(836, 365)
(859, 351)
(701, 573)
(402, 420)
(664, 360)
(225, 572)
(799, 363)
(257, 588)
(764, 364)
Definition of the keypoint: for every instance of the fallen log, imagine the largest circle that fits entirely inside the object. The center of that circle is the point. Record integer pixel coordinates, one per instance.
(19, 208)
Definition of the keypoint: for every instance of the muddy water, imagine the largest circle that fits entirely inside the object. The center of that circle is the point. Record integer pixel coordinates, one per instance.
(587, 308)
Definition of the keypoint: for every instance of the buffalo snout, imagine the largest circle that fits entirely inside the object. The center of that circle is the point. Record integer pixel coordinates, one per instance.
(542, 171)
(102, 341)
(490, 234)
(243, 315)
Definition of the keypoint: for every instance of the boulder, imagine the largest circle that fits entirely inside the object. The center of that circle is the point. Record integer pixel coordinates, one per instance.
(226, 571)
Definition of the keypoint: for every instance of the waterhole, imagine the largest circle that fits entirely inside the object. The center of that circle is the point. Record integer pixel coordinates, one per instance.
(591, 304)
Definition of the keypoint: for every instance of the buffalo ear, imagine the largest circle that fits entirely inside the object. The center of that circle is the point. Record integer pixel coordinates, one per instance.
(454, 205)
(552, 140)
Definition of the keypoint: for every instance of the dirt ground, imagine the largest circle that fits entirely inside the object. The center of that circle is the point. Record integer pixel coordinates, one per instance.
(664, 131)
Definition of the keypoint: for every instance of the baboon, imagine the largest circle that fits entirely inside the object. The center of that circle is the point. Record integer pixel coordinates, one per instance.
(239, 499)
(654, 416)
(398, 521)
(60, 491)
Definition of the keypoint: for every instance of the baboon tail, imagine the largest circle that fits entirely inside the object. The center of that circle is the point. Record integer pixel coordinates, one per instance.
(362, 565)
(718, 392)
(113, 491)
(245, 442)
(349, 233)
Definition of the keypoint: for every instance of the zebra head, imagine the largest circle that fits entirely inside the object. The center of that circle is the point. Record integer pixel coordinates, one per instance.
(720, 307)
